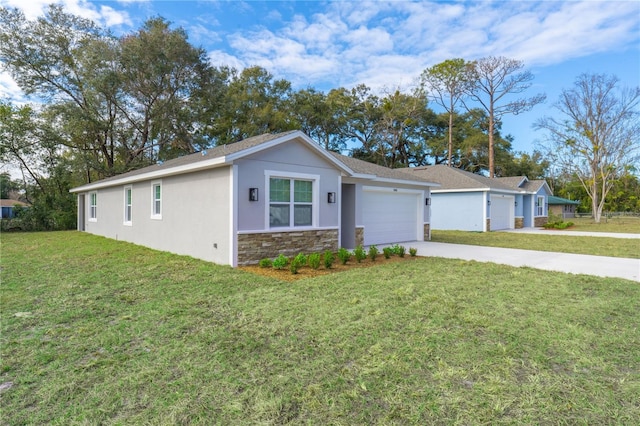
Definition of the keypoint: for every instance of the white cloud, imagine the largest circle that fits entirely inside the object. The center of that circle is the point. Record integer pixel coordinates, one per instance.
(106, 15)
(9, 89)
(221, 58)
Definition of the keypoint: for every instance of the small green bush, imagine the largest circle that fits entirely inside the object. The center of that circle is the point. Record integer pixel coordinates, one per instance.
(301, 258)
(413, 251)
(344, 255)
(359, 254)
(387, 252)
(314, 260)
(265, 263)
(373, 252)
(280, 262)
(328, 259)
(398, 250)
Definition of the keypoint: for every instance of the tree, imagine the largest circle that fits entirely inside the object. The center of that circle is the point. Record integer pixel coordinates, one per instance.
(595, 136)
(445, 84)
(494, 78)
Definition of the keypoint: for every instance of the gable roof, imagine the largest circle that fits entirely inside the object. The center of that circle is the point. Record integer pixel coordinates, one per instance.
(5, 202)
(225, 155)
(451, 178)
(559, 201)
(366, 170)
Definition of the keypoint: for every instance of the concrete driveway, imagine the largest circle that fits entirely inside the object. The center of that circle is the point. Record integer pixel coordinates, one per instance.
(601, 266)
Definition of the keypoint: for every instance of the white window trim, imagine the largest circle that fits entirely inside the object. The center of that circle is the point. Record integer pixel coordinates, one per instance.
(154, 215)
(540, 200)
(315, 203)
(124, 213)
(95, 217)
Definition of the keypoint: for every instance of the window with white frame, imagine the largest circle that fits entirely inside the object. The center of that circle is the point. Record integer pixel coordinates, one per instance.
(290, 202)
(93, 206)
(156, 200)
(540, 206)
(128, 203)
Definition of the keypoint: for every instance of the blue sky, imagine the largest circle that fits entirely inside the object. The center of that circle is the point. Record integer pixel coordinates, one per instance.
(386, 45)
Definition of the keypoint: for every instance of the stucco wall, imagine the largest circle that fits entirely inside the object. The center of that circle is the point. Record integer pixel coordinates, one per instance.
(195, 215)
(458, 211)
(291, 157)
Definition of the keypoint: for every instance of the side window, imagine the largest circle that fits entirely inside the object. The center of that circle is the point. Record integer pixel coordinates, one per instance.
(93, 206)
(128, 205)
(156, 200)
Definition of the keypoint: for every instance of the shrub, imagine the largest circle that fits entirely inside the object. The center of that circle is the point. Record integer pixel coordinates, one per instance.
(328, 259)
(314, 260)
(359, 254)
(344, 255)
(413, 251)
(398, 250)
(280, 262)
(387, 252)
(301, 259)
(373, 252)
(265, 263)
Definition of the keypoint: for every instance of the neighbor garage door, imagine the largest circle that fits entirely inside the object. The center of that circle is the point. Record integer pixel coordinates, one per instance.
(502, 212)
(389, 217)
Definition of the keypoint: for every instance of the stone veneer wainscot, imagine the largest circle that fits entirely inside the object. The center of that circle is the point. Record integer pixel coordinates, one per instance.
(540, 221)
(256, 246)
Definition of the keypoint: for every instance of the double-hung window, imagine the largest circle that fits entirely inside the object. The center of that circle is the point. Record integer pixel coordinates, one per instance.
(290, 202)
(93, 206)
(156, 200)
(128, 204)
(540, 206)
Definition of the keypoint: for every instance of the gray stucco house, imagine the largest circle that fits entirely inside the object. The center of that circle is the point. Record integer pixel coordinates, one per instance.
(269, 194)
(470, 202)
(563, 207)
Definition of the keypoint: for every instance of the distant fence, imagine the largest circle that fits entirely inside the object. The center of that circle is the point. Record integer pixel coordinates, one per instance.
(611, 214)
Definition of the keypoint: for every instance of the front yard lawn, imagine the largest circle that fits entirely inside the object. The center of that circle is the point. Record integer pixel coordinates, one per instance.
(624, 224)
(96, 331)
(597, 246)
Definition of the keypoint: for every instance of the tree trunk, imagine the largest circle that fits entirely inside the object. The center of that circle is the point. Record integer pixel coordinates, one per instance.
(450, 135)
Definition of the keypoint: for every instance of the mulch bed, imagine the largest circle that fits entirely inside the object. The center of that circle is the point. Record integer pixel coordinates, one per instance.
(307, 272)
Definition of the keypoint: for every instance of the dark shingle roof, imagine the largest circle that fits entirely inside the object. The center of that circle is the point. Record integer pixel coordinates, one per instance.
(209, 154)
(366, 168)
(453, 178)
(5, 202)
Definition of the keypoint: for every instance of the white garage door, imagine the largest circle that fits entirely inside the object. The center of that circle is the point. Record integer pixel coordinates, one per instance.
(389, 217)
(502, 212)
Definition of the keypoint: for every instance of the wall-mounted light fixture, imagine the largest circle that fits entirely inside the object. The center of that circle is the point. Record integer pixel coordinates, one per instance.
(427, 201)
(516, 204)
(253, 194)
(331, 197)
(488, 202)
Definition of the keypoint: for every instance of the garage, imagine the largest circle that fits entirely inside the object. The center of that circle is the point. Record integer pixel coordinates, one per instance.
(390, 215)
(502, 212)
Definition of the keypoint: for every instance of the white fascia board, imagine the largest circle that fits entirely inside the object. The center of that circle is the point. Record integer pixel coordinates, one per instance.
(296, 135)
(187, 168)
(445, 191)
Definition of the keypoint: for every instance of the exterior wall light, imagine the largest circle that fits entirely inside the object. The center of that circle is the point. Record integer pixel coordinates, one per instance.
(427, 201)
(331, 197)
(253, 194)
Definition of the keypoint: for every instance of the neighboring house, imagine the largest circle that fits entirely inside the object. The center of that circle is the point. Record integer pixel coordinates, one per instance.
(562, 207)
(470, 202)
(7, 207)
(270, 194)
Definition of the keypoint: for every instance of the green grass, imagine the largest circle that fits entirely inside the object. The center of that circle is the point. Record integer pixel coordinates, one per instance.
(96, 331)
(597, 246)
(623, 224)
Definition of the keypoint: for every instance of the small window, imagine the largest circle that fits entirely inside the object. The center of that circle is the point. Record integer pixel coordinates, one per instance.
(156, 200)
(93, 206)
(128, 203)
(540, 206)
(290, 199)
